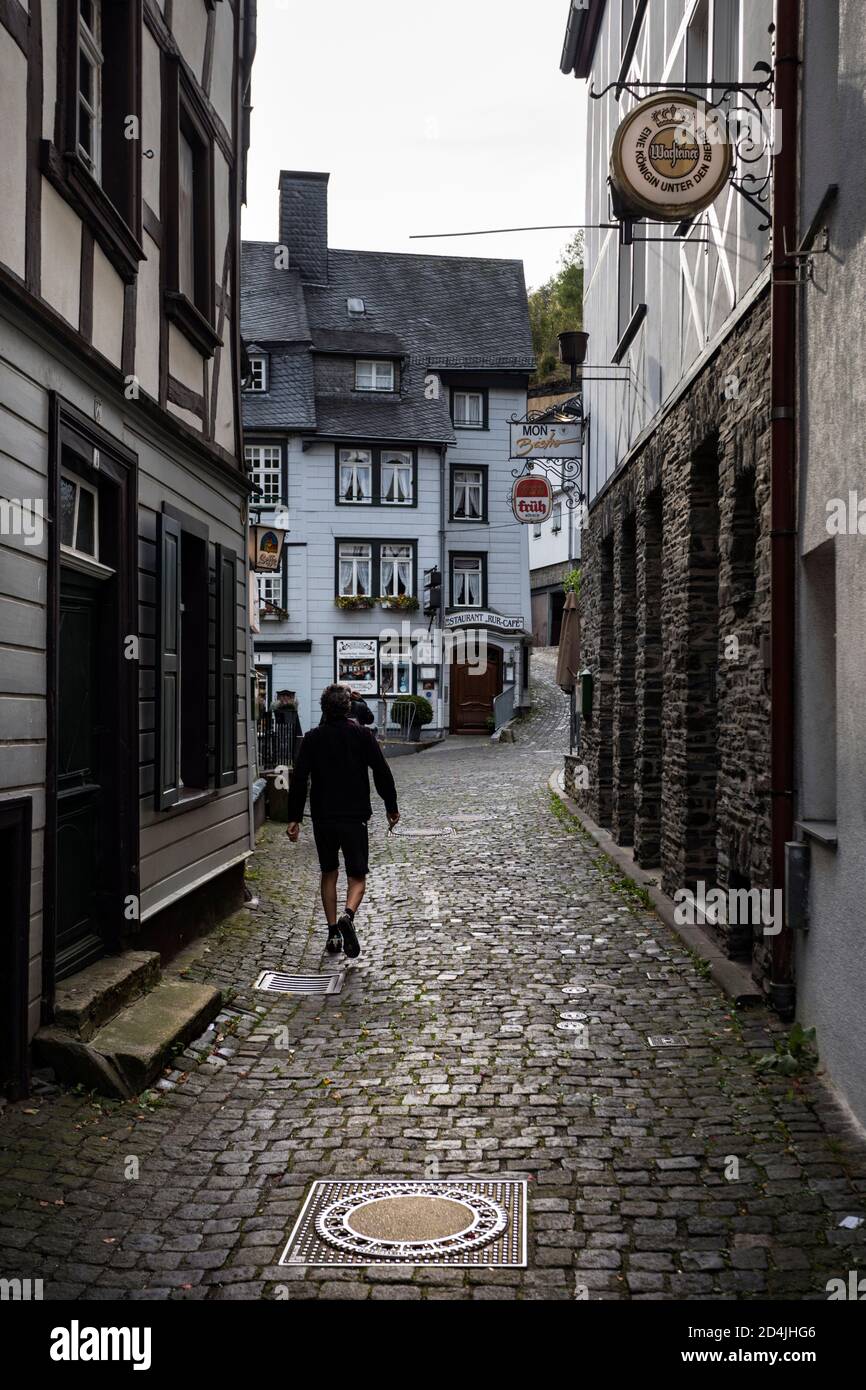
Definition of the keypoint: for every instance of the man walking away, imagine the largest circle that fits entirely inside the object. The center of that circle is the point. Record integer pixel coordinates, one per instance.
(360, 711)
(336, 759)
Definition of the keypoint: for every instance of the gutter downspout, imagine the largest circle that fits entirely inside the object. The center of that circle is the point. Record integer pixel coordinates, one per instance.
(443, 504)
(783, 476)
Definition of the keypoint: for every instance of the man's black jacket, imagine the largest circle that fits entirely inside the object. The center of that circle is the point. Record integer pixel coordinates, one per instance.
(337, 757)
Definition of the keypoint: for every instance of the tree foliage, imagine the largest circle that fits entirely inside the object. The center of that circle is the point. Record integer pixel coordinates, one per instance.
(555, 307)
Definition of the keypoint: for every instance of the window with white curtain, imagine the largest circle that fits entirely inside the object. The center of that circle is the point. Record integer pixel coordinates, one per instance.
(467, 581)
(468, 493)
(356, 568)
(396, 566)
(396, 484)
(468, 409)
(356, 476)
(264, 464)
(374, 376)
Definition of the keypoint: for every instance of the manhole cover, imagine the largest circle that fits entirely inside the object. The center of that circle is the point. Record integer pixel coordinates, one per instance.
(451, 1222)
(570, 1027)
(667, 1040)
(575, 1018)
(574, 989)
(275, 982)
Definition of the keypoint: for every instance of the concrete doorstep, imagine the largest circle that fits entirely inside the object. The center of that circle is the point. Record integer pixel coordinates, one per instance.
(731, 976)
(118, 1023)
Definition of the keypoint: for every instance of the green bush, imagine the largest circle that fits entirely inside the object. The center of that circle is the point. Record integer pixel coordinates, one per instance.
(423, 709)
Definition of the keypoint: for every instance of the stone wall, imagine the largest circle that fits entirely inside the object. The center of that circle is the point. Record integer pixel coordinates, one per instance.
(675, 601)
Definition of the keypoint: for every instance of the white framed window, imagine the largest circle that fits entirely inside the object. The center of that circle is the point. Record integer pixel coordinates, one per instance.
(374, 376)
(396, 565)
(468, 409)
(396, 675)
(258, 377)
(468, 494)
(79, 517)
(468, 581)
(356, 476)
(264, 463)
(90, 63)
(397, 478)
(356, 570)
(556, 517)
(270, 590)
(355, 307)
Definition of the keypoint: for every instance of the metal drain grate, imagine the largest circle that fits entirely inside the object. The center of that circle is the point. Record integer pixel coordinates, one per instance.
(667, 1040)
(479, 1222)
(276, 982)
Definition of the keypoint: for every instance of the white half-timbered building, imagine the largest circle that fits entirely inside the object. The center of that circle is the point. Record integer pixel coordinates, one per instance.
(676, 550)
(124, 791)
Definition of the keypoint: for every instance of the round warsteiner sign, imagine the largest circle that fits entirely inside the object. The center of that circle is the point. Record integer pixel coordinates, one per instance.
(670, 159)
(532, 498)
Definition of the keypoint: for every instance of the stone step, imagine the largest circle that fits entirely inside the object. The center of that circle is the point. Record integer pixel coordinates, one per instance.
(87, 1001)
(128, 1053)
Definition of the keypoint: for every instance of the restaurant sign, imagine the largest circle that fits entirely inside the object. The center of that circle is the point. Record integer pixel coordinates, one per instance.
(357, 663)
(671, 157)
(538, 439)
(479, 617)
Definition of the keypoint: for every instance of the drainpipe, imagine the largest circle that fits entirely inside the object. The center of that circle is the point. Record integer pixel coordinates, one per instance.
(783, 536)
(443, 513)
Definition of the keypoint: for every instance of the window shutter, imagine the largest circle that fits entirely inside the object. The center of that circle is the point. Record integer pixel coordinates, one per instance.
(226, 666)
(168, 652)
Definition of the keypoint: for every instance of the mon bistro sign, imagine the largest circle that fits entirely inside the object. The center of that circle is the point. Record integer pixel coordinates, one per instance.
(671, 158)
(538, 439)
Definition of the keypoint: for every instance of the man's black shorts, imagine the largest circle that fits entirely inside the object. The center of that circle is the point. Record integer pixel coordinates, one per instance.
(350, 836)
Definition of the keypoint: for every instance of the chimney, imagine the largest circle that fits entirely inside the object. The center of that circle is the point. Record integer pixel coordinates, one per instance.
(304, 223)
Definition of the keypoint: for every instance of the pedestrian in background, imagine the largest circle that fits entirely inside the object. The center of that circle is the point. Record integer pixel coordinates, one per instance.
(334, 762)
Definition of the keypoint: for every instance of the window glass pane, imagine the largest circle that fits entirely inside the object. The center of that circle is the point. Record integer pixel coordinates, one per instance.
(186, 217)
(67, 511)
(384, 374)
(85, 538)
(364, 376)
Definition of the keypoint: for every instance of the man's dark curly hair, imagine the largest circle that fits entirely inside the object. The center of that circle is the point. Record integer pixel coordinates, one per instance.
(336, 702)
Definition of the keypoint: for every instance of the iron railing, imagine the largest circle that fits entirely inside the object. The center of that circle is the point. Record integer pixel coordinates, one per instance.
(503, 708)
(277, 743)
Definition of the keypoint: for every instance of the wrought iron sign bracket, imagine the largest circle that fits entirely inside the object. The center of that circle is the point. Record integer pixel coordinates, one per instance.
(751, 187)
(566, 471)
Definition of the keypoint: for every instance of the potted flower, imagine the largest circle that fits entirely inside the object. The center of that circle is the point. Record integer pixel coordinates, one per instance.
(407, 603)
(345, 601)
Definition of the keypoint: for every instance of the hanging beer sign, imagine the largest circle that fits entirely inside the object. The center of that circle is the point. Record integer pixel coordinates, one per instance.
(671, 158)
(532, 498)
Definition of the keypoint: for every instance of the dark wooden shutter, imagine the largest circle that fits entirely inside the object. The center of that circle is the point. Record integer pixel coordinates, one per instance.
(167, 789)
(226, 666)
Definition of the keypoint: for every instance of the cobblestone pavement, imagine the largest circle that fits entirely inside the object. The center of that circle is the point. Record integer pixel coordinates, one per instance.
(668, 1173)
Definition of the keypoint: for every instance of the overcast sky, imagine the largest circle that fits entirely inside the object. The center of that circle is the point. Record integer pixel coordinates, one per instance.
(431, 116)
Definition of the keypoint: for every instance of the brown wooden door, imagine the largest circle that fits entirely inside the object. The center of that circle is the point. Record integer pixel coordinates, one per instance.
(473, 693)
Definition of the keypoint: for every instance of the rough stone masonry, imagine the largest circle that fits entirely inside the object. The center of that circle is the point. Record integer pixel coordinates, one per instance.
(675, 600)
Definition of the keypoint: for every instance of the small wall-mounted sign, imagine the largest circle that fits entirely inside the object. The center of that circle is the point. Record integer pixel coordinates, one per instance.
(478, 617)
(545, 438)
(357, 664)
(532, 497)
(671, 157)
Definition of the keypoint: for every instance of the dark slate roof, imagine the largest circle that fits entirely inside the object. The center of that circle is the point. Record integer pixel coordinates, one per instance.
(290, 401)
(272, 301)
(443, 312)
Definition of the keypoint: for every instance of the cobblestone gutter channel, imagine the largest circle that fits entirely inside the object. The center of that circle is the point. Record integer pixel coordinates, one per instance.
(652, 1172)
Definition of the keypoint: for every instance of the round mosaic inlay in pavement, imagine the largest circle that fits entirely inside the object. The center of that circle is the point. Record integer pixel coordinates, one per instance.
(398, 1221)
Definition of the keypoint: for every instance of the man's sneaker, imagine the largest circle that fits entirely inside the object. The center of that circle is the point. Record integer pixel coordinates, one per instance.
(346, 926)
(334, 944)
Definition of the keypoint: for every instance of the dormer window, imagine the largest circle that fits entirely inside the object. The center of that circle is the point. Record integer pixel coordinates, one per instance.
(374, 376)
(258, 377)
(356, 307)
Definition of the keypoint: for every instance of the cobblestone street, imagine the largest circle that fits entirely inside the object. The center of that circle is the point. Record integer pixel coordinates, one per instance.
(443, 1057)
